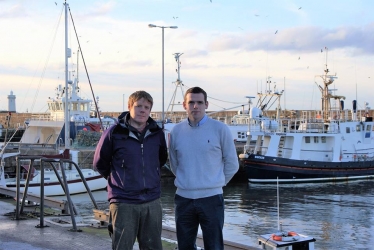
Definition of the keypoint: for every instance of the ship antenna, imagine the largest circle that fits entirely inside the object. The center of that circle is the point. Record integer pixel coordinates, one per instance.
(178, 83)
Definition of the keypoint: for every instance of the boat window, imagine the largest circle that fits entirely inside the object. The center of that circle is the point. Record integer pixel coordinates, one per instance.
(358, 127)
(316, 139)
(323, 139)
(75, 106)
(368, 127)
(307, 139)
(348, 130)
(83, 107)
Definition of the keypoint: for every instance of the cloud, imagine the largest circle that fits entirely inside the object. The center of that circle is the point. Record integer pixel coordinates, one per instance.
(300, 39)
(136, 63)
(99, 9)
(188, 34)
(14, 11)
(197, 53)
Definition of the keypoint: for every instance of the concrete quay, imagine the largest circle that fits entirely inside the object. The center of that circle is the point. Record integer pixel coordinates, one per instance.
(24, 234)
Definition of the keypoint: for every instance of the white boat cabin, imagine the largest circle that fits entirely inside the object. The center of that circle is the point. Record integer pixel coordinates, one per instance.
(312, 138)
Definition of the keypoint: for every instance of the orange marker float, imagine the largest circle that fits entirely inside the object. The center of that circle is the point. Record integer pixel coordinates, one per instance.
(290, 236)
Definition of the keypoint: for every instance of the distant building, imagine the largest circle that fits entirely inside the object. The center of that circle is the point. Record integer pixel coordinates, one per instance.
(11, 102)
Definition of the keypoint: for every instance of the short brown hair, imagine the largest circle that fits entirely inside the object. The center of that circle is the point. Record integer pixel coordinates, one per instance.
(196, 90)
(137, 95)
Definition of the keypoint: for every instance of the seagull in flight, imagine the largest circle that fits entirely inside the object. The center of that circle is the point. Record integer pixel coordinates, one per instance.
(276, 32)
(300, 8)
(55, 3)
(175, 17)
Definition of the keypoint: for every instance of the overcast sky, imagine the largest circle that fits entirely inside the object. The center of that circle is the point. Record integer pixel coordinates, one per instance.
(230, 48)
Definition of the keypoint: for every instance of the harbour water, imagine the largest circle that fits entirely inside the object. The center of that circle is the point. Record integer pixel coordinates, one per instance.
(337, 215)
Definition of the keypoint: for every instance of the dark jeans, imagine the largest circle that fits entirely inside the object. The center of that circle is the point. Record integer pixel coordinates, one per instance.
(208, 212)
(141, 221)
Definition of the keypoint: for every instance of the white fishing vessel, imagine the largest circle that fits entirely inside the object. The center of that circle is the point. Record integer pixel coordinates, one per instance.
(68, 113)
(331, 144)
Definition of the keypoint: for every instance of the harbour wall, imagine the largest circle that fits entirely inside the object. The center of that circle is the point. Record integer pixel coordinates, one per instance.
(18, 119)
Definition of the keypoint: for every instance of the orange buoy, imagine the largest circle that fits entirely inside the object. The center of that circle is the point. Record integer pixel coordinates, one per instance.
(290, 236)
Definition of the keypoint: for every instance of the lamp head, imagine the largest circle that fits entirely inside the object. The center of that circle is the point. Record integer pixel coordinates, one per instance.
(151, 26)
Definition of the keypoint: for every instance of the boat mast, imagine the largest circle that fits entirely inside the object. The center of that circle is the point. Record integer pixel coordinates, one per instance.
(67, 55)
(326, 95)
(178, 84)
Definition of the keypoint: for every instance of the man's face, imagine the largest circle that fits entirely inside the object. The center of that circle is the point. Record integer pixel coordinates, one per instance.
(195, 106)
(140, 110)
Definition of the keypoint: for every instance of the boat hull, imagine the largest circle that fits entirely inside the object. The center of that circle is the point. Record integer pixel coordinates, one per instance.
(54, 188)
(262, 169)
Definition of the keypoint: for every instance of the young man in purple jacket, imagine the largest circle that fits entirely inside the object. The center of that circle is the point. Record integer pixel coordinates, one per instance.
(130, 155)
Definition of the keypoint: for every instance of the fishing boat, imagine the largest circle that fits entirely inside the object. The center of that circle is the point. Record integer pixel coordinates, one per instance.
(49, 128)
(30, 174)
(331, 144)
(52, 133)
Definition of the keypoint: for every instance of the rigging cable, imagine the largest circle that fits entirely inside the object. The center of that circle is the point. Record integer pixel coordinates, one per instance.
(45, 66)
(85, 67)
(217, 99)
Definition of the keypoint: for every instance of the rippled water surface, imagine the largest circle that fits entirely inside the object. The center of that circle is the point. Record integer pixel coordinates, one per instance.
(338, 216)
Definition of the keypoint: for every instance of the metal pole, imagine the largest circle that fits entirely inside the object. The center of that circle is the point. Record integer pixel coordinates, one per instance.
(123, 102)
(18, 172)
(67, 121)
(163, 114)
(67, 193)
(41, 205)
(31, 166)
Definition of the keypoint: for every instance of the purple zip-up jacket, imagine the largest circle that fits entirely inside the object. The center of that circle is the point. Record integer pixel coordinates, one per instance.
(131, 165)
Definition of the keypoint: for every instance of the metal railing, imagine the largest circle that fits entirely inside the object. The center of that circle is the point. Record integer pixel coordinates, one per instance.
(63, 182)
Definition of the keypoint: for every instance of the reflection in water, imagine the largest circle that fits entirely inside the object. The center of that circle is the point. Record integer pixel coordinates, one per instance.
(338, 216)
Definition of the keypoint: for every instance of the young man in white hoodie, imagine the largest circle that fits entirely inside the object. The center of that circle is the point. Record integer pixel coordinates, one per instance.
(203, 158)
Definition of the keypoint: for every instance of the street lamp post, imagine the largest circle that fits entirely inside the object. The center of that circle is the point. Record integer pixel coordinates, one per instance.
(123, 102)
(162, 27)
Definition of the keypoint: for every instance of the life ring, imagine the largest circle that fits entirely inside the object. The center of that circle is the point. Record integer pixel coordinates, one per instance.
(290, 236)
